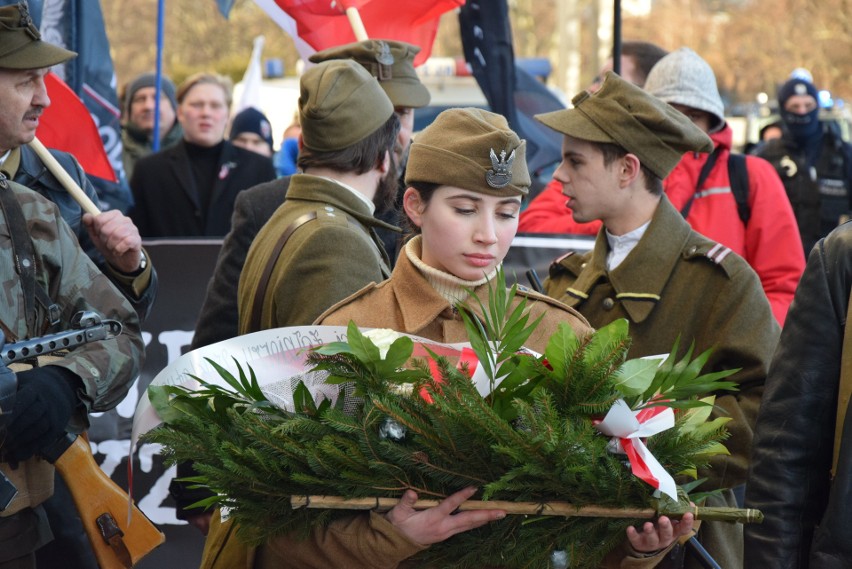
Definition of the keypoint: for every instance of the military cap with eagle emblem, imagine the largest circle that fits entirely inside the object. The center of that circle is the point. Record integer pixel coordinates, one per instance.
(472, 149)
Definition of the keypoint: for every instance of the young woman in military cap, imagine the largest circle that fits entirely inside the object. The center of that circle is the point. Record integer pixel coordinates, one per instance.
(467, 174)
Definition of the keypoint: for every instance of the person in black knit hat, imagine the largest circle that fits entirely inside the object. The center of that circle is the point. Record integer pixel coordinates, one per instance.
(813, 161)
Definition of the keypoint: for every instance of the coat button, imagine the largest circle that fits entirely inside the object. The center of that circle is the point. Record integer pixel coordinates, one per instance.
(692, 250)
(608, 303)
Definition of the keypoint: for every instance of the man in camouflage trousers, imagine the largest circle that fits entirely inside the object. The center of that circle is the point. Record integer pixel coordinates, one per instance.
(47, 279)
(56, 397)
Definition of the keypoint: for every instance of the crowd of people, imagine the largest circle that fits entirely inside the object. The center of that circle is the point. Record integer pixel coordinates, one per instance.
(747, 255)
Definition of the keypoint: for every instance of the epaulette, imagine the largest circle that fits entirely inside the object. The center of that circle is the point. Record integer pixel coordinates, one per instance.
(716, 253)
(352, 297)
(329, 215)
(569, 262)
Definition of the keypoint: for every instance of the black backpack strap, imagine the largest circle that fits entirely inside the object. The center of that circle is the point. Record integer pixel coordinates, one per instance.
(738, 176)
(702, 177)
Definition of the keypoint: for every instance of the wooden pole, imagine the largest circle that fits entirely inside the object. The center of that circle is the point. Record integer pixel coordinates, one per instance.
(60, 174)
(354, 20)
(530, 508)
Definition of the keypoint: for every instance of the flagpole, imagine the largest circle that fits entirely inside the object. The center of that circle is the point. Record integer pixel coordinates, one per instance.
(62, 176)
(355, 21)
(158, 81)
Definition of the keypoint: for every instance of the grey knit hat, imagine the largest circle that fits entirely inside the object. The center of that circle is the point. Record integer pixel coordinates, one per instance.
(683, 78)
(167, 88)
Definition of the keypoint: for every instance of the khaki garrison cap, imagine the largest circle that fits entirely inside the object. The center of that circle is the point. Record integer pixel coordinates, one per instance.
(391, 62)
(340, 104)
(623, 114)
(21, 46)
(471, 149)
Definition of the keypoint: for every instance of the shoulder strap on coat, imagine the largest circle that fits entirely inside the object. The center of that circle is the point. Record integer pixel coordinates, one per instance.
(845, 388)
(260, 295)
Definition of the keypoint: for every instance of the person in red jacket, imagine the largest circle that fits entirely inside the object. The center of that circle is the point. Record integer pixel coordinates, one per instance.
(769, 240)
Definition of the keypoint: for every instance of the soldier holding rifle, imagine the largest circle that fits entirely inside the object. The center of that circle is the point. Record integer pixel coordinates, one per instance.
(47, 279)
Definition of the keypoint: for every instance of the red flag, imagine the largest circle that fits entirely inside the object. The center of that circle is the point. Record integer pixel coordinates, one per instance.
(67, 125)
(322, 24)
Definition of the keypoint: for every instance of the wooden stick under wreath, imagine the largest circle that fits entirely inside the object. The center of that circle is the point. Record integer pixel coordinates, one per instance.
(734, 515)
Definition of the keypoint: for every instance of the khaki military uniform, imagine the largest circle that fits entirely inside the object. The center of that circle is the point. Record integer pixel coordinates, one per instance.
(325, 260)
(678, 284)
(408, 303)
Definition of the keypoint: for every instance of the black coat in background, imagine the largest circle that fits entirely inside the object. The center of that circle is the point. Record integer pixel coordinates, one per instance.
(168, 204)
(808, 523)
(253, 207)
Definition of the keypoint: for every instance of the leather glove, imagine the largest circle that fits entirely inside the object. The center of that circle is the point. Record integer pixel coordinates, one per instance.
(47, 396)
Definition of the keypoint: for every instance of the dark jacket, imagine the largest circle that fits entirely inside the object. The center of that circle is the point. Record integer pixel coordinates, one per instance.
(136, 144)
(794, 437)
(822, 197)
(253, 207)
(32, 173)
(168, 203)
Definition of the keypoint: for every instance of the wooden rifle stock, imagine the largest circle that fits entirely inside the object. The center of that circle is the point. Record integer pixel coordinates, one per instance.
(102, 505)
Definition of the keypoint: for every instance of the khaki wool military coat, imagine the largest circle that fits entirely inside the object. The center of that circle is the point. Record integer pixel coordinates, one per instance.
(324, 261)
(678, 284)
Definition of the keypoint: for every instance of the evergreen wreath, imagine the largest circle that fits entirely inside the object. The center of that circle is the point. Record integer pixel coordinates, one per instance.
(532, 439)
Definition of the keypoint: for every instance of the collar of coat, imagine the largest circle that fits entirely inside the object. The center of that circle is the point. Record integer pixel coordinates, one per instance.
(419, 303)
(307, 188)
(640, 279)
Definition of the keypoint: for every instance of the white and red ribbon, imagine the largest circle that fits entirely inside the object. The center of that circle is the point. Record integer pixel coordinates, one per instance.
(628, 428)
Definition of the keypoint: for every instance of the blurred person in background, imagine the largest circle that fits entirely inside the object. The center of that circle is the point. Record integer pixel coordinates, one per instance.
(189, 190)
(730, 198)
(137, 134)
(637, 60)
(250, 129)
(813, 161)
(288, 153)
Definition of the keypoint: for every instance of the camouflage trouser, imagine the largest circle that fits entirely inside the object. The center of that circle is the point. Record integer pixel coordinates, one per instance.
(20, 535)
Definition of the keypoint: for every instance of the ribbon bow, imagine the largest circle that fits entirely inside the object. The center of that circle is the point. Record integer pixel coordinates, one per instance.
(628, 428)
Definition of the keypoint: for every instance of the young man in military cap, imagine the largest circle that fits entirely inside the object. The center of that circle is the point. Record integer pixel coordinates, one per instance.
(320, 246)
(254, 207)
(649, 267)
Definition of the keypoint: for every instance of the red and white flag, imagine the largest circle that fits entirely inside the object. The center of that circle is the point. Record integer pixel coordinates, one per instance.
(320, 24)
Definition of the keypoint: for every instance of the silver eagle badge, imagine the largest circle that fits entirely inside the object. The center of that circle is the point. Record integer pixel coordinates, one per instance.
(385, 59)
(500, 173)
